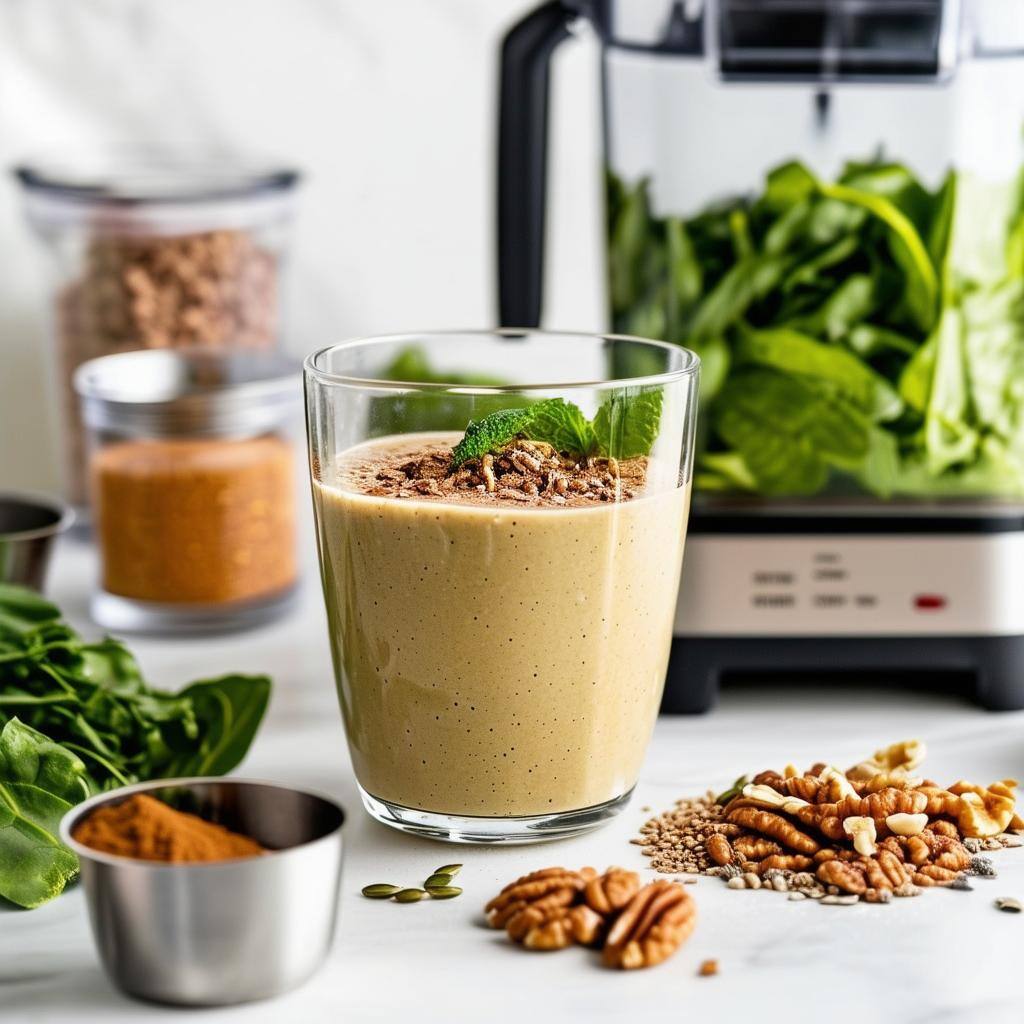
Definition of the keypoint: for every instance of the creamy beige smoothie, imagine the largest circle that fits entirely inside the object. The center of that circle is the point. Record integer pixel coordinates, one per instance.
(497, 653)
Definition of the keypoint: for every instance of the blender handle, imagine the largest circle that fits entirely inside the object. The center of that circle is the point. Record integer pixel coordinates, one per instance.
(522, 159)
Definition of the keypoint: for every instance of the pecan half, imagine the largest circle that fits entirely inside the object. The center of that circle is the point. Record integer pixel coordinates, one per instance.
(564, 926)
(885, 870)
(754, 847)
(540, 890)
(611, 891)
(652, 926)
(719, 849)
(849, 877)
(935, 875)
(783, 862)
(775, 827)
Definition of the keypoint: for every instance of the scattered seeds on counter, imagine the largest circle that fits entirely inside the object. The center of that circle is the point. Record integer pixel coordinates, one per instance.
(794, 896)
(676, 841)
(438, 887)
(444, 892)
(410, 895)
(708, 969)
(982, 867)
(737, 882)
(1009, 905)
(961, 884)
(380, 891)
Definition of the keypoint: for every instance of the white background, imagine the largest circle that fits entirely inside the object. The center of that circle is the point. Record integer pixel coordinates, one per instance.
(387, 105)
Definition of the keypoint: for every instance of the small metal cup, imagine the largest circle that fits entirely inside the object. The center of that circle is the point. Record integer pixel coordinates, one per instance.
(28, 526)
(212, 934)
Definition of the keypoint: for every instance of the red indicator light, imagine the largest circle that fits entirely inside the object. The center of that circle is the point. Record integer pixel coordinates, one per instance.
(929, 602)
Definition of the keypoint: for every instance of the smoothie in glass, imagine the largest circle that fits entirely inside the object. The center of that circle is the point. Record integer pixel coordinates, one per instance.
(500, 634)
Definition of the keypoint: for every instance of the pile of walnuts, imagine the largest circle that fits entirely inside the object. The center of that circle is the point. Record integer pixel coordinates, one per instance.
(632, 926)
(873, 831)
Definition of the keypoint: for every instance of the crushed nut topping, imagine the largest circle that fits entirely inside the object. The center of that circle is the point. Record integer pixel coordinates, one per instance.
(525, 472)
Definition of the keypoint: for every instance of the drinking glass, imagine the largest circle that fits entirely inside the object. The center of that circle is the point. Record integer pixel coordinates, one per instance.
(499, 660)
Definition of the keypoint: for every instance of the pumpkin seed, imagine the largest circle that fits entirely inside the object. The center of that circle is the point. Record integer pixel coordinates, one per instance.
(448, 869)
(409, 895)
(444, 892)
(380, 891)
(437, 881)
(1010, 905)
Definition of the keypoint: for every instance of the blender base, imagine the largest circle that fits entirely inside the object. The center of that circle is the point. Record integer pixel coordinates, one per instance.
(995, 664)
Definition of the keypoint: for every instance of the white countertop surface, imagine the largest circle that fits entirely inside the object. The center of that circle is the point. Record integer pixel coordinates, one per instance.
(944, 956)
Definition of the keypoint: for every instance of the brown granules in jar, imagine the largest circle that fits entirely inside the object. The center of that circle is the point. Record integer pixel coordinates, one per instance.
(146, 829)
(205, 290)
(196, 521)
(529, 473)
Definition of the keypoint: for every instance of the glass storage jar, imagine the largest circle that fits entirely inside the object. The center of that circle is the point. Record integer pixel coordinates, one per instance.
(192, 482)
(154, 255)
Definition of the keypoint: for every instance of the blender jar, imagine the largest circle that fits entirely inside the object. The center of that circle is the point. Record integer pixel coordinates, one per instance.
(825, 201)
(192, 483)
(157, 255)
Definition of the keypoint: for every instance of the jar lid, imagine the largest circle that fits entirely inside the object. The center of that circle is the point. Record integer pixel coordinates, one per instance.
(161, 393)
(126, 192)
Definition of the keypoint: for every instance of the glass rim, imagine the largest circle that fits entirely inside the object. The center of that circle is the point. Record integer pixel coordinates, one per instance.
(690, 363)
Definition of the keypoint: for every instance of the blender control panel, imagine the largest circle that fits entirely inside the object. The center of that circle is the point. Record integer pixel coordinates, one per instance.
(863, 584)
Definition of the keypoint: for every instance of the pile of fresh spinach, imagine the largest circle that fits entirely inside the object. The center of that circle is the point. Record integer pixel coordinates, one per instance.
(77, 718)
(861, 335)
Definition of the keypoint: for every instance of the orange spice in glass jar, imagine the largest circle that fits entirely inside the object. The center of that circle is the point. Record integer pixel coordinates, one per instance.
(192, 479)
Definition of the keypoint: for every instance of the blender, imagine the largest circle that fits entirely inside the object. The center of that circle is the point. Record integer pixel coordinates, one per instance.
(824, 199)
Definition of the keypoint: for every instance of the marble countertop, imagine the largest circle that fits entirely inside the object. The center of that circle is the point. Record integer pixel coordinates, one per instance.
(944, 956)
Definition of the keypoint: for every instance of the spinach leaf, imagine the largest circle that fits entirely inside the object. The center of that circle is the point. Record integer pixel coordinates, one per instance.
(232, 708)
(26, 755)
(799, 354)
(34, 864)
(921, 290)
(949, 439)
(789, 432)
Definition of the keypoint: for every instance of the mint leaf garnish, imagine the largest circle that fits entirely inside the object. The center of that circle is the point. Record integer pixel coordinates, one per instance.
(491, 433)
(563, 426)
(626, 425)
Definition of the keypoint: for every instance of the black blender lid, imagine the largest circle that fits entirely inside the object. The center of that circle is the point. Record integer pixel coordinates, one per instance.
(790, 39)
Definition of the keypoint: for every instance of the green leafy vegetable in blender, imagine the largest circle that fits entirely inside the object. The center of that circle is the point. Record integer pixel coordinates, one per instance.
(864, 334)
(414, 412)
(77, 718)
(625, 426)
